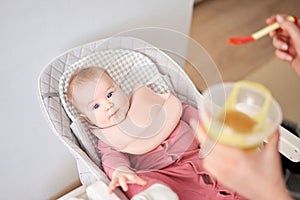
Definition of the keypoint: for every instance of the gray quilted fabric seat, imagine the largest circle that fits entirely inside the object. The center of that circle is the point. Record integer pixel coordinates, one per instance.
(150, 65)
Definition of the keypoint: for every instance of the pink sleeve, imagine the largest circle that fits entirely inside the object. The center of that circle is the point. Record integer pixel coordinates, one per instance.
(111, 158)
(189, 112)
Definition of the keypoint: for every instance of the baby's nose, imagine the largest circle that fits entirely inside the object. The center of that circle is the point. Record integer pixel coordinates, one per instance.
(108, 106)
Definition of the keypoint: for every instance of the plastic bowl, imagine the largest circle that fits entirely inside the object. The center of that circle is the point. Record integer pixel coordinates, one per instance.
(249, 99)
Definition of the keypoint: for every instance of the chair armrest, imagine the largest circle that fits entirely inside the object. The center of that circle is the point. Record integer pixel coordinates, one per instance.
(99, 190)
(289, 145)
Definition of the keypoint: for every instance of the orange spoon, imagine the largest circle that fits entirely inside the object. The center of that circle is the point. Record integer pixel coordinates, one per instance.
(259, 34)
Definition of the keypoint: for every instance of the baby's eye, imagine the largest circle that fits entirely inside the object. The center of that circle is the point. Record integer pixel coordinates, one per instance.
(96, 106)
(109, 94)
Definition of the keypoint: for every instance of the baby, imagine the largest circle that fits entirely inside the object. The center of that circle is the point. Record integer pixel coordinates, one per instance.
(147, 145)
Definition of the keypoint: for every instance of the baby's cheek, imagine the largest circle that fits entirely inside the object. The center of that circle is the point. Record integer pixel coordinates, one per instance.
(98, 120)
(102, 120)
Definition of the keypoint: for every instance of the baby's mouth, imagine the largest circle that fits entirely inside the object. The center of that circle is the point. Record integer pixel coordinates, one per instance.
(113, 114)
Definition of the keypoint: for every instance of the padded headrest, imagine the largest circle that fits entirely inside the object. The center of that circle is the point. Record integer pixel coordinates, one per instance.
(126, 67)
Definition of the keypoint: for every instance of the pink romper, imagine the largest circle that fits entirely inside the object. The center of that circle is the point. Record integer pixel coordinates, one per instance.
(175, 163)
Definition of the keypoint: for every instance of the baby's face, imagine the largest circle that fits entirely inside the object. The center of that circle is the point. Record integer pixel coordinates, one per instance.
(103, 102)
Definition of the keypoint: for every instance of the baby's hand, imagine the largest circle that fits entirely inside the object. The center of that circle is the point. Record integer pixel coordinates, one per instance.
(121, 177)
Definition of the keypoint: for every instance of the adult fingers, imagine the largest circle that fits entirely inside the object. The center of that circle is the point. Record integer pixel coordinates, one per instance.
(272, 19)
(280, 43)
(291, 28)
(282, 55)
(273, 141)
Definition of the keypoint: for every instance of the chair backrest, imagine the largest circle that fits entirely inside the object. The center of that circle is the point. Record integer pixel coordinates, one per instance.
(128, 68)
(143, 64)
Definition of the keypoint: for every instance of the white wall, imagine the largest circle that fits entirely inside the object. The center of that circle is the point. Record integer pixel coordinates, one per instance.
(34, 163)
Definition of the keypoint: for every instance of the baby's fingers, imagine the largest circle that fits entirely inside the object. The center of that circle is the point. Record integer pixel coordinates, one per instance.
(112, 185)
(140, 181)
(123, 183)
(136, 180)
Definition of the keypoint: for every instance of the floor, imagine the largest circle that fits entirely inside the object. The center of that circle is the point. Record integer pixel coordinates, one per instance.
(216, 20)
(211, 59)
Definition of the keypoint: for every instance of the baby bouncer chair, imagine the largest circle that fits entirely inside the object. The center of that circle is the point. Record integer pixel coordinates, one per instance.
(129, 61)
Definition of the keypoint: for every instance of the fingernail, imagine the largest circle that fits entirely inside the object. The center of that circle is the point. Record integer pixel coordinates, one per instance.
(284, 47)
(279, 18)
(288, 58)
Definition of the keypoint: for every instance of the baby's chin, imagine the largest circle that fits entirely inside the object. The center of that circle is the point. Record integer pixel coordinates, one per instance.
(120, 117)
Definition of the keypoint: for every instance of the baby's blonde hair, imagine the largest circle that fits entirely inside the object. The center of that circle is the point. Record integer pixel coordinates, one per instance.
(81, 76)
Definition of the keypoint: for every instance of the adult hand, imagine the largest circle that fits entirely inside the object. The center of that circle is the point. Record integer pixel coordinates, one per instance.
(286, 40)
(123, 176)
(254, 174)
